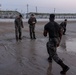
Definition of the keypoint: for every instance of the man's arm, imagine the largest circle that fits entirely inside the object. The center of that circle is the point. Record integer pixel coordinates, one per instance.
(45, 30)
(15, 22)
(35, 20)
(22, 24)
(45, 33)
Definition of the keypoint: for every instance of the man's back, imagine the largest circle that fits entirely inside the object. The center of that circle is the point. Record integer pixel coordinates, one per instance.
(18, 22)
(53, 29)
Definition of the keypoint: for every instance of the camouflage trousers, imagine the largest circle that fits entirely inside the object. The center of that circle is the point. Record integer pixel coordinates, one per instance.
(32, 31)
(52, 49)
(18, 33)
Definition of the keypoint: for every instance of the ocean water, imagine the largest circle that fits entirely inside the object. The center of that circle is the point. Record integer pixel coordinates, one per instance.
(25, 20)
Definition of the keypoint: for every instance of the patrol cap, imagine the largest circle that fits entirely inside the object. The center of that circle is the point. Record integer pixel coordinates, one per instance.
(32, 14)
(52, 16)
(65, 19)
(20, 15)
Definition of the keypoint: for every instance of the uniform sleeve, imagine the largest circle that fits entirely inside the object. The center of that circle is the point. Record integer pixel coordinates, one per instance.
(22, 23)
(35, 20)
(45, 30)
(15, 23)
(29, 21)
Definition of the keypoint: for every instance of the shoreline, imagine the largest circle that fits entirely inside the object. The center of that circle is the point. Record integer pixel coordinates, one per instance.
(39, 20)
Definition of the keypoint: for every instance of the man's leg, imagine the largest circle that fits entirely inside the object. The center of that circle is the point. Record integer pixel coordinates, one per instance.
(65, 68)
(30, 28)
(48, 45)
(33, 30)
(20, 34)
(51, 47)
(64, 31)
(16, 34)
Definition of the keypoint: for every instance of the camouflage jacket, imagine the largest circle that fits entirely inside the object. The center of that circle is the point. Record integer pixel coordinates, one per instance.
(18, 22)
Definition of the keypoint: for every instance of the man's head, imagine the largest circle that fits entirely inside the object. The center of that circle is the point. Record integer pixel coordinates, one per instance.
(20, 15)
(32, 14)
(52, 16)
(65, 19)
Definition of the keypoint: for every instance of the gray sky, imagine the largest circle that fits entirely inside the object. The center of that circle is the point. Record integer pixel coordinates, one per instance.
(47, 6)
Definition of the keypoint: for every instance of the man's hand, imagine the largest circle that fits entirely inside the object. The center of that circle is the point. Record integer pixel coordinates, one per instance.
(58, 44)
(45, 33)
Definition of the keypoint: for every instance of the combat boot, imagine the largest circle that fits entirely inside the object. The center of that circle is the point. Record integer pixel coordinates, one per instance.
(16, 38)
(34, 36)
(65, 68)
(20, 38)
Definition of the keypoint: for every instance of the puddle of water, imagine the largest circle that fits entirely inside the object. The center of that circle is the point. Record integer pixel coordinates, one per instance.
(71, 45)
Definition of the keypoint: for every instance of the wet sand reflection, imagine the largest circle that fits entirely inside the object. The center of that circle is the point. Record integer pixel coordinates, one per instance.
(49, 69)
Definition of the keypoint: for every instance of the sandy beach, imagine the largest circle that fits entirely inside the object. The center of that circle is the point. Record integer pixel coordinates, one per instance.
(29, 57)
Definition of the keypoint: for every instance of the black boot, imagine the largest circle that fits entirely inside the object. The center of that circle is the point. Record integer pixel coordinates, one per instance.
(17, 38)
(20, 38)
(34, 35)
(65, 68)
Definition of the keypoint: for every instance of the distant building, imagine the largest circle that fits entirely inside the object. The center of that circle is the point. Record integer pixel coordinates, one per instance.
(57, 15)
(8, 14)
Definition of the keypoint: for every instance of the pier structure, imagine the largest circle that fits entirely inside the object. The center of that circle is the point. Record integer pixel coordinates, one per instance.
(58, 15)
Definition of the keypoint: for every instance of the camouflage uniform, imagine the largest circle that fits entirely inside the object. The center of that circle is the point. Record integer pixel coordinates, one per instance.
(32, 31)
(63, 26)
(18, 28)
(54, 40)
(32, 21)
(55, 33)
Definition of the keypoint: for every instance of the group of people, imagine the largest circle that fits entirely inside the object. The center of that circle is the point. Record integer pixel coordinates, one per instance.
(55, 32)
(19, 25)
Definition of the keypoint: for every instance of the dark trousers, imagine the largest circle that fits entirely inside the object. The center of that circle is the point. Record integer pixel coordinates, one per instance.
(64, 31)
(32, 31)
(18, 33)
(51, 48)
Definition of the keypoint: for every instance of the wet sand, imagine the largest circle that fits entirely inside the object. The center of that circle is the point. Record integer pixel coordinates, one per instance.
(29, 57)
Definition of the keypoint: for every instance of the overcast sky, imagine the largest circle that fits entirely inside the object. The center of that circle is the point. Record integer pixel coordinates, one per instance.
(43, 6)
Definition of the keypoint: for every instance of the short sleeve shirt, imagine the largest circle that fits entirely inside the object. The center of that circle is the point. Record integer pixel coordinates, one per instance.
(53, 29)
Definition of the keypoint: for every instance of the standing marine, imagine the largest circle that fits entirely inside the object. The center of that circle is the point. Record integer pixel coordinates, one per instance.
(32, 21)
(18, 27)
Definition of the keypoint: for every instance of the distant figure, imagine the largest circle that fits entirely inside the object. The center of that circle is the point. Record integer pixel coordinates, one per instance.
(18, 27)
(54, 31)
(32, 21)
(63, 26)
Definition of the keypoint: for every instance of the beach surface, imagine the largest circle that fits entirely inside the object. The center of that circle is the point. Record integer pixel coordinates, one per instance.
(29, 57)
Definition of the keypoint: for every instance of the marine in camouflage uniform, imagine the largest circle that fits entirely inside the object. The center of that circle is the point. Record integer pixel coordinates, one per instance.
(63, 26)
(55, 34)
(32, 21)
(18, 27)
